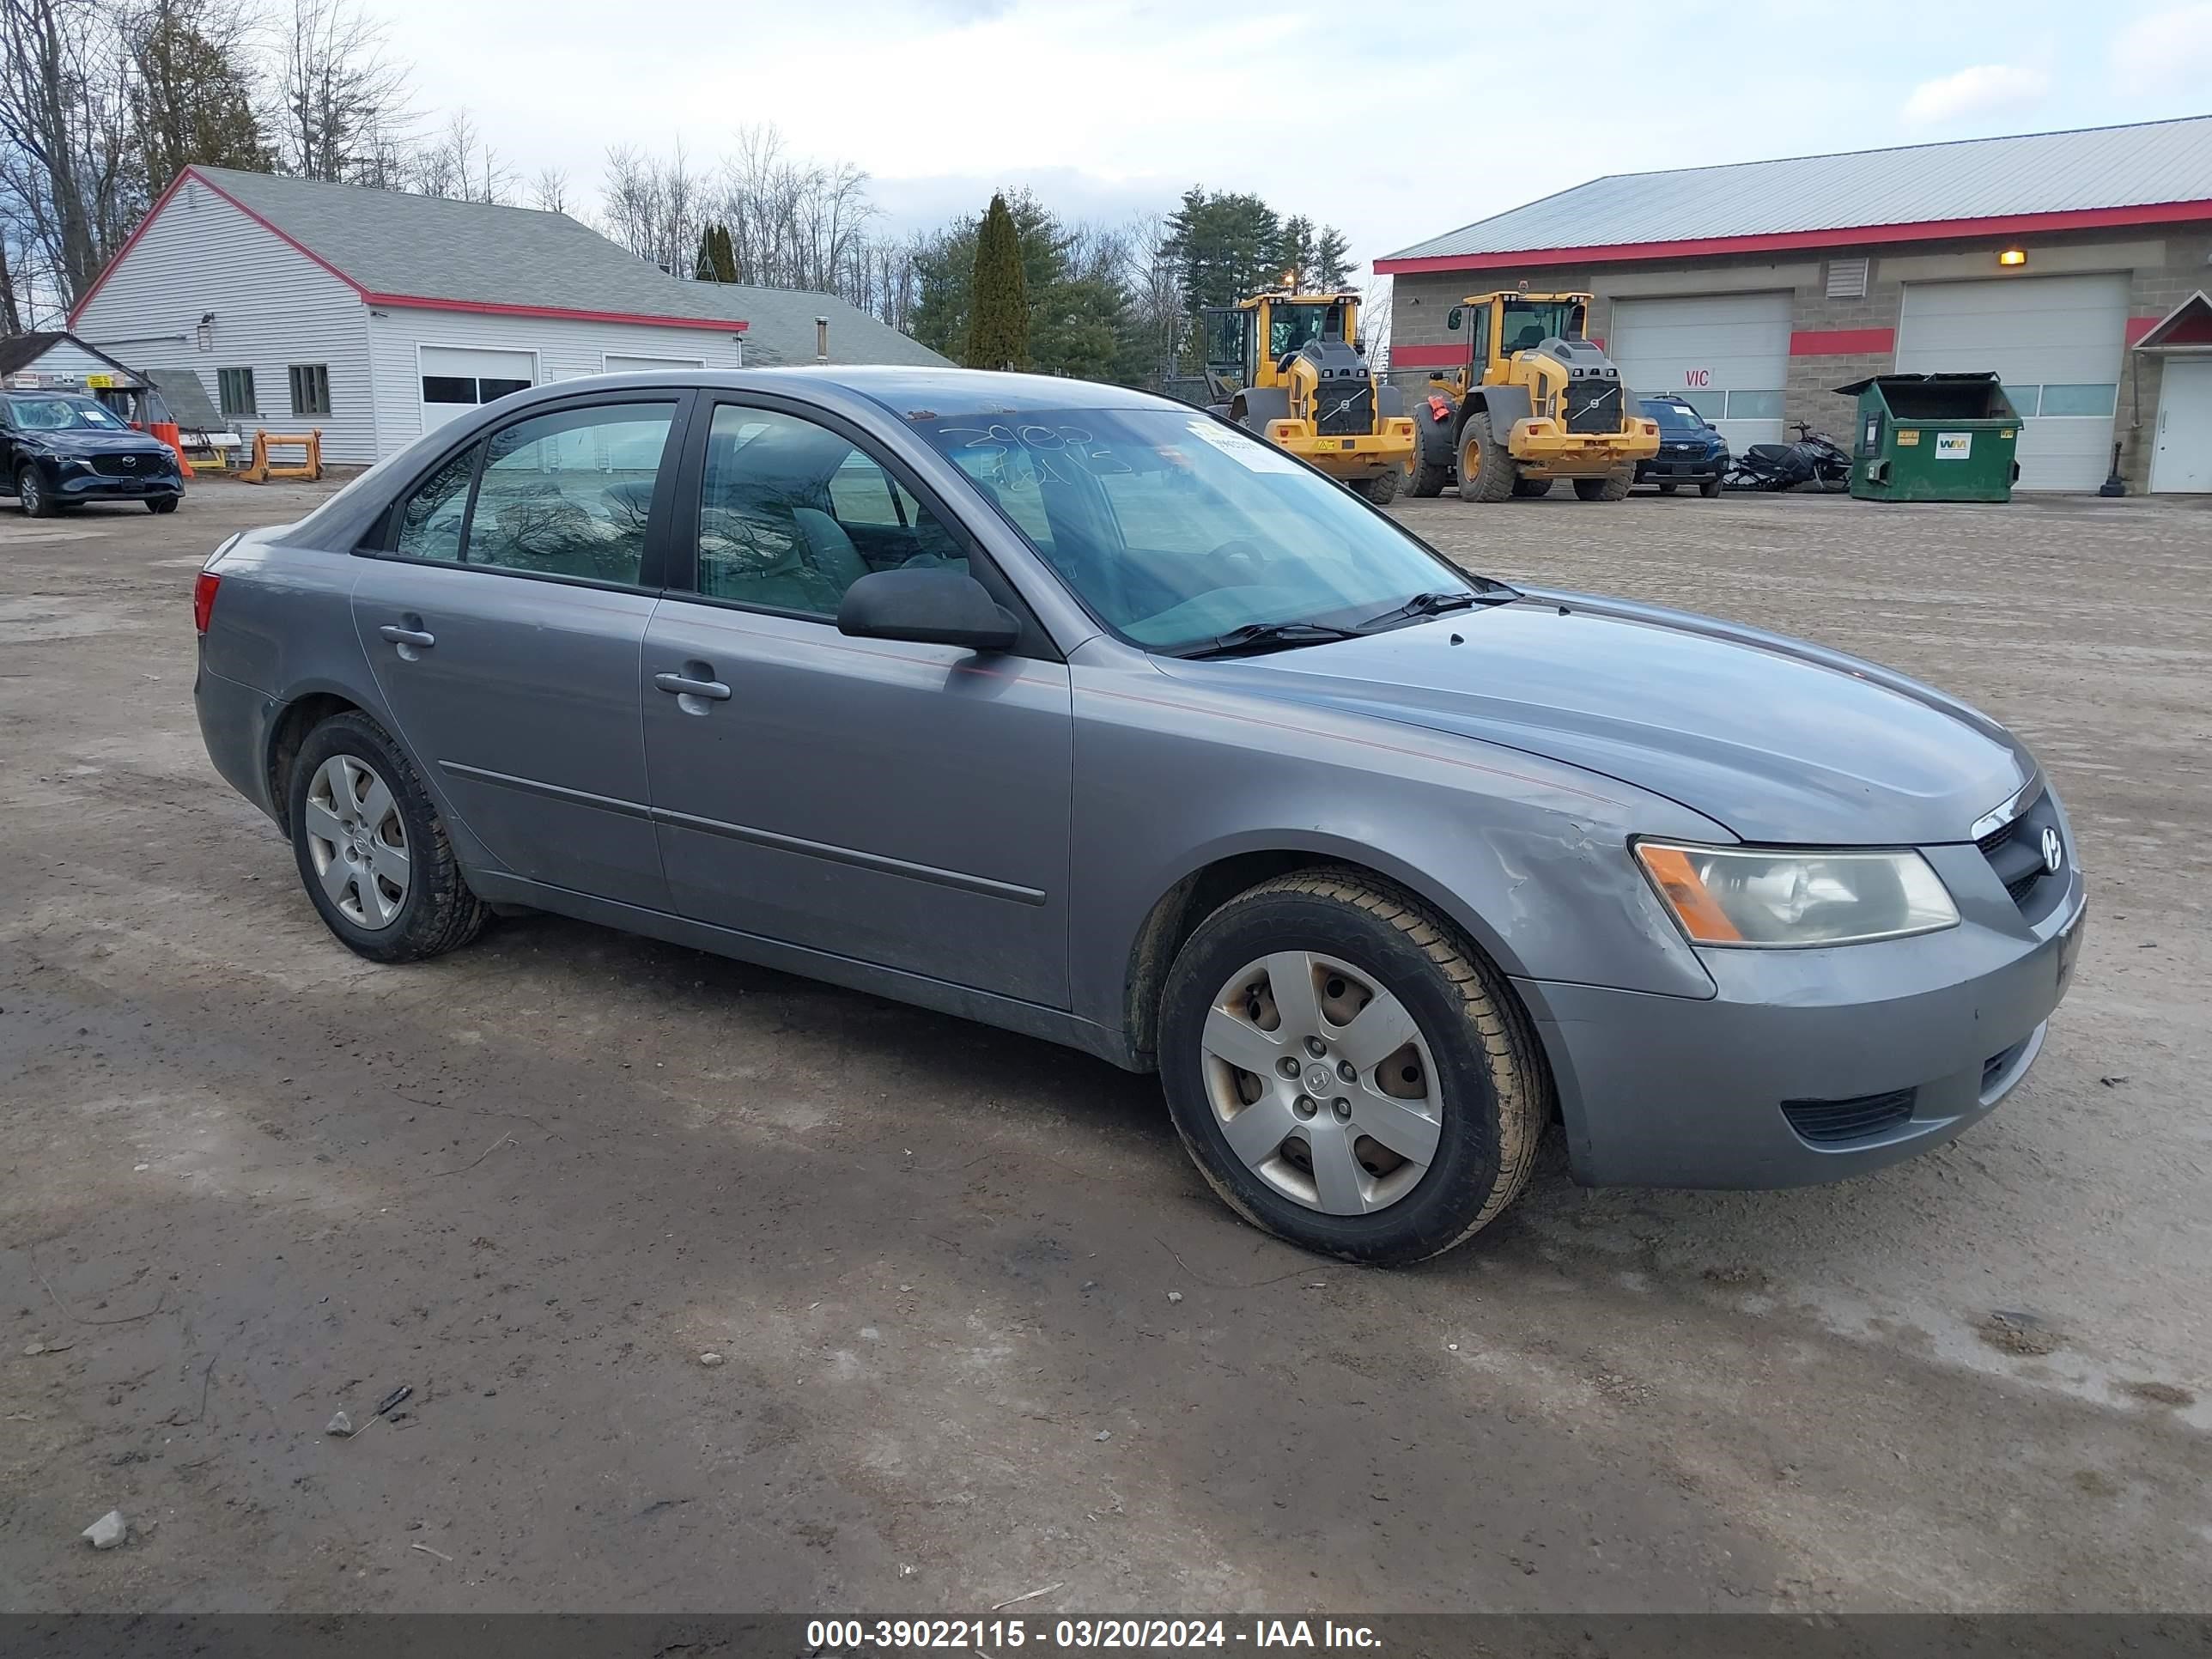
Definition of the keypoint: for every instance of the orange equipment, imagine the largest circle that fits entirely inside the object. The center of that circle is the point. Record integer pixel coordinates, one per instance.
(309, 469)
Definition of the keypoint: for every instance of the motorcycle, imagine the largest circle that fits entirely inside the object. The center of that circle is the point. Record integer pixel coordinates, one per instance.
(1815, 459)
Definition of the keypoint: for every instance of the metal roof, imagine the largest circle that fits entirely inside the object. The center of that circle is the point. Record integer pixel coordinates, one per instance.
(2040, 172)
(396, 247)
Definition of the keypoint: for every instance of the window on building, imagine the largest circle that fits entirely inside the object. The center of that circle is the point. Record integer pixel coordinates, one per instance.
(234, 392)
(465, 389)
(1713, 405)
(1754, 405)
(2094, 400)
(311, 388)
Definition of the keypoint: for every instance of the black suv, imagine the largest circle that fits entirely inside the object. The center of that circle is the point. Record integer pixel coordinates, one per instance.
(1690, 450)
(57, 449)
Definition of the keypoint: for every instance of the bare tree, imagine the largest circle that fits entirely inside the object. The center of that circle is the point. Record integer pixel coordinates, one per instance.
(550, 190)
(64, 120)
(654, 208)
(459, 164)
(342, 113)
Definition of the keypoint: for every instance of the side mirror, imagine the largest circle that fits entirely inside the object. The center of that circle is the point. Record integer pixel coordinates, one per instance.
(933, 605)
(1455, 316)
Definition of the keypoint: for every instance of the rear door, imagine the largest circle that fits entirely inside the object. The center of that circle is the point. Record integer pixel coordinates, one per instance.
(901, 805)
(503, 617)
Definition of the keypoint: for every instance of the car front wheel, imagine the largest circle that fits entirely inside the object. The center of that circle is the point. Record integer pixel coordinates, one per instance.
(32, 493)
(1348, 1071)
(373, 852)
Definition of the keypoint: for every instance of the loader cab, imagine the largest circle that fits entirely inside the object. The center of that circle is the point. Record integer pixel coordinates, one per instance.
(1251, 343)
(1497, 326)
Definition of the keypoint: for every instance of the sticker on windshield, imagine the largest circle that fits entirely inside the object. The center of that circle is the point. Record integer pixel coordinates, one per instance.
(1953, 446)
(1249, 453)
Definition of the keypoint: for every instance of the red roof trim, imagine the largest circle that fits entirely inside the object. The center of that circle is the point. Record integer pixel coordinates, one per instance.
(733, 327)
(1932, 230)
(494, 308)
(1838, 342)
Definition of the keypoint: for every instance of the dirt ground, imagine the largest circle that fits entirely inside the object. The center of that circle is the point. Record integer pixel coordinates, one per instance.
(251, 1181)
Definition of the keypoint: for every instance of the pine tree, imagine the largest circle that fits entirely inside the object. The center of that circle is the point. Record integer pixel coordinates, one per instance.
(1331, 260)
(717, 257)
(998, 312)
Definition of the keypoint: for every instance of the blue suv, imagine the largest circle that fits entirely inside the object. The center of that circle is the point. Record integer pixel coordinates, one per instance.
(1690, 450)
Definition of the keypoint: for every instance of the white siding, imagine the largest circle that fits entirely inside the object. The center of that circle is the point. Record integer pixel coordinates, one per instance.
(273, 308)
(67, 357)
(564, 349)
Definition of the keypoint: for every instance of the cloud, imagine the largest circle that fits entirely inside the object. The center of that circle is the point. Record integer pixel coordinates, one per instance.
(2169, 50)
(1983, 90)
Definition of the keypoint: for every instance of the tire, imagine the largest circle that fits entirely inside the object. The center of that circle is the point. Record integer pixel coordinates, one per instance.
(1613, 487)
(1382, 489)
(1480, 1097)
(1431, 458)
(1666, 486)
(32, 493)
(433, 911)
(1709, 487)
(1533, 490)
(1486, 466)
(161, 504)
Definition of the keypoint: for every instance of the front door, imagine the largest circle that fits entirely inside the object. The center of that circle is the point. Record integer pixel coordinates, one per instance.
(503, 621)
(901, 804)
(2182, 458)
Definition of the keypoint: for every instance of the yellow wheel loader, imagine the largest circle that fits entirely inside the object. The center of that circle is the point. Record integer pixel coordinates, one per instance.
(1292, 368)
(1537, 402)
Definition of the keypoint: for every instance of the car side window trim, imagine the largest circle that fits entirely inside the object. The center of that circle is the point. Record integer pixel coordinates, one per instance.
(655, 565)
(684, 527)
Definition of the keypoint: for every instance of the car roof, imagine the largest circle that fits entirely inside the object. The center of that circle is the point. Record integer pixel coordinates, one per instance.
(906, 390)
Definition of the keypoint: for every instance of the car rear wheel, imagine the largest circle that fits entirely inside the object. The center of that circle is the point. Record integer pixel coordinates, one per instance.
(32, 493)
(373, 852)
(1666, 486)
(1348, 1071)
(1709, 487)
(1533, 490)
(1613, 487)
(161, 504)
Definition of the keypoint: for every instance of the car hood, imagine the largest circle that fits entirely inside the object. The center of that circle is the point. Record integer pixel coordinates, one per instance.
(88, 442)
(1775, 738)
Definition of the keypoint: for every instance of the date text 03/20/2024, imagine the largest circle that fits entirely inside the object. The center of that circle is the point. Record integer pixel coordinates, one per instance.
(841, 1636)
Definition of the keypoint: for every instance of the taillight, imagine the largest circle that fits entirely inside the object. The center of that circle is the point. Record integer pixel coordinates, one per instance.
(204, 587)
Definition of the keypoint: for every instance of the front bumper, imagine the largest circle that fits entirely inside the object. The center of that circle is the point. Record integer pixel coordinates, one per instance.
(1361, 455)
(1677, 1091)
(75, 485)
(1689, 469)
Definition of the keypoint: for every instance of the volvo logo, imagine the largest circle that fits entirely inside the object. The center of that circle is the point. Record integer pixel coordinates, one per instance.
(2054, 853)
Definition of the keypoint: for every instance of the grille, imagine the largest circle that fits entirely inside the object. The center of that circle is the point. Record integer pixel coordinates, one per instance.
(1993, 1067)
(2014, 851)
(130, 466)
(1831, 1121)
(1593, 405)
(1345, 408)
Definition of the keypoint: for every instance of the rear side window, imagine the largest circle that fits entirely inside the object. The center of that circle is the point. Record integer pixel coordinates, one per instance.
(431, 521)
(567, 494)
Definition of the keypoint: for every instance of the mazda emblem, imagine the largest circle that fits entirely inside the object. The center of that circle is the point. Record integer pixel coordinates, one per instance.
(2054, 852)
(131, 460)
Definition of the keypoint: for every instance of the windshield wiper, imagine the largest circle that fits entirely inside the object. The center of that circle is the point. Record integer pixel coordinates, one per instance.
(1255, 637)
(1421, 605)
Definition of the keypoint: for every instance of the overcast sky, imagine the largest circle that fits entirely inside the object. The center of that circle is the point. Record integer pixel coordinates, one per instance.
(1394, 121)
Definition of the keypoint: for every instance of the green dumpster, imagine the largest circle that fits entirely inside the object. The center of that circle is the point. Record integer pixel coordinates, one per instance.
(1933, 438)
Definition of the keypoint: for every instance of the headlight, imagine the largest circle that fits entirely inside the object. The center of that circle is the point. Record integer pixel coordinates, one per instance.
(1744, 895)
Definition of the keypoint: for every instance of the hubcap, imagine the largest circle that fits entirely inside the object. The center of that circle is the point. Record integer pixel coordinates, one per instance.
(1321, 1083)
(357, 841)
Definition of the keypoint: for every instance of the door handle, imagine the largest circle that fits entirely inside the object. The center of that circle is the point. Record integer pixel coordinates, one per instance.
(414, 636)
(682, 685)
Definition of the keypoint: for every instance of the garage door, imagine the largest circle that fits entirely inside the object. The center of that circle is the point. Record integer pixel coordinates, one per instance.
(1728, 354)
(456, 378)
(2056, 341)
(634, 365)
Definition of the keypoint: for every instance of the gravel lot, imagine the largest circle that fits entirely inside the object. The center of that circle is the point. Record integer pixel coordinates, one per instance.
(250, 1180)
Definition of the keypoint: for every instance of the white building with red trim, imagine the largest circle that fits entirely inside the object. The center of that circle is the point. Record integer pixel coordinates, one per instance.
(375, 314)
(2074, 265)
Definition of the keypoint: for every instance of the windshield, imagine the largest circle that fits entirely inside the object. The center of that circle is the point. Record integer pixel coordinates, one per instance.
(1531, 322)
(1673, 416)
(1174, 529)
(1289, 327)
(63, 415)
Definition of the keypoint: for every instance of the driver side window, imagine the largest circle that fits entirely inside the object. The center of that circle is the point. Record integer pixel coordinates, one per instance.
(791, 514)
